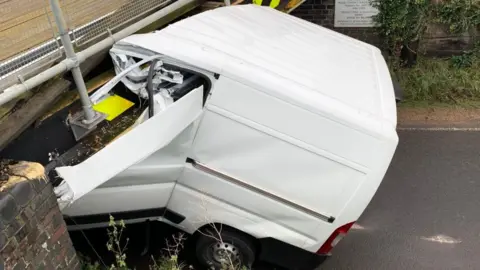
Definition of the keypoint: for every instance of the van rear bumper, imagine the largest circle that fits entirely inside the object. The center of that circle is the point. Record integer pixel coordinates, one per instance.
(285, 255)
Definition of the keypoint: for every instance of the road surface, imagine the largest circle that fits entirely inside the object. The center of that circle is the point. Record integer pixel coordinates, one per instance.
(426, 213)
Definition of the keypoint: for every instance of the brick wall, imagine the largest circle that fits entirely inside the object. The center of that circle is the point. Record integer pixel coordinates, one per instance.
(33, 233)
(322, 12)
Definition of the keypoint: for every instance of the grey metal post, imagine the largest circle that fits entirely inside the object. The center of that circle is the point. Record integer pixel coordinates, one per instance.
(227, 2)
(81, 124)
(70, 53)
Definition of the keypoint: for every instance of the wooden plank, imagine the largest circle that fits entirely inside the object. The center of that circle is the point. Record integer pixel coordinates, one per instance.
(21, 119)
(238, 2)
(11, 106)
(15, 11)
(71, 96)
(27, 29)
(38, 104)
(83, 10)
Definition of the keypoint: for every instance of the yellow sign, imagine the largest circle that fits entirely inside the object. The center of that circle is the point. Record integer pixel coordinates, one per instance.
(282, 5)
(113, 106)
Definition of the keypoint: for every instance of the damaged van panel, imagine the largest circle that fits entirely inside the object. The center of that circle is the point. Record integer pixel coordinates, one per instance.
(178, 99)
(129, 149)
(136, 72)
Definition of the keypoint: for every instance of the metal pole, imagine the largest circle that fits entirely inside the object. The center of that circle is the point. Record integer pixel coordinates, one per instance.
(227, 2)
(89, 114)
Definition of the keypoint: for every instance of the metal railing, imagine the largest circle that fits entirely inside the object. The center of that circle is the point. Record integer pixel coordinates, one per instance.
(83, 122)
(29, 40)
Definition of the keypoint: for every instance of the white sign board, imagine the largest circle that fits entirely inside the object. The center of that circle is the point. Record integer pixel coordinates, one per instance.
(354, 13)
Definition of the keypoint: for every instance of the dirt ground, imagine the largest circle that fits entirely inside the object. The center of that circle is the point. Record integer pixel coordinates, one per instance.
(439, 117)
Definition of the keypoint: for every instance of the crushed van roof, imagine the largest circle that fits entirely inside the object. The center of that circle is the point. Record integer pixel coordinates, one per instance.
(301, 61)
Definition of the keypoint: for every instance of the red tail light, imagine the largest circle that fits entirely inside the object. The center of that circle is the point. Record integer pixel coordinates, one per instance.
(336, 236)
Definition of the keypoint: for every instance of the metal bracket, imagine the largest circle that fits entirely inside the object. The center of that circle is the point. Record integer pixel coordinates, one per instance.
(81, 127)
(110, 34)
(20, 78)
(74, 60)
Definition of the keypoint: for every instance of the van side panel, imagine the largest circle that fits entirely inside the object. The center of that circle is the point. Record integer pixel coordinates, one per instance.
(204, 199)
(331, 138)
(121, 199)
(275, 151)
(240, 149)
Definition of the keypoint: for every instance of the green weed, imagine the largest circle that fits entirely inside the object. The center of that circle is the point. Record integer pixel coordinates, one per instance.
(451, 80)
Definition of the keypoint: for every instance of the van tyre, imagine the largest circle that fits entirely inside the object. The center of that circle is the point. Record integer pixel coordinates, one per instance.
(216, 251)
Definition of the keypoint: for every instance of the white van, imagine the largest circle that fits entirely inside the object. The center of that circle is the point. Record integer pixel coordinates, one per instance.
(275, 131)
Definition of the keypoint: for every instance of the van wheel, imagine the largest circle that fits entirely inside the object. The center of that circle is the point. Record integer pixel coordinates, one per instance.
(229, 250)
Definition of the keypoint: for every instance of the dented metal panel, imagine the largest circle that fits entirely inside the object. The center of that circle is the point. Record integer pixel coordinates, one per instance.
(134, 146)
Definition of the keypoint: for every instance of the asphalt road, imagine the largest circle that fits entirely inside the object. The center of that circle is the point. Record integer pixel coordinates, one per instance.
(426, 213)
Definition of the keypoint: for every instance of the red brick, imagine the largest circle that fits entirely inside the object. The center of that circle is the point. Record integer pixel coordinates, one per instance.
(75, 264)
(9, 247)
(8, 209)
(48, 218)
(58, 220)
(48, 227)
(35, 237)
(32, 236)
(58, 233)
(20, 265)
(23, 192)
(40, 256)
(21, 249)
(71, 254)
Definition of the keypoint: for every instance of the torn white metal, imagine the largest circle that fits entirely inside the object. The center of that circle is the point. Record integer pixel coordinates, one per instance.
(121, 74)
(136, 73)
(143, 140)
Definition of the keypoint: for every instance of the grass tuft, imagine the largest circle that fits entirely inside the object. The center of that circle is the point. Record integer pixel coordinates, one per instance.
(454, 81)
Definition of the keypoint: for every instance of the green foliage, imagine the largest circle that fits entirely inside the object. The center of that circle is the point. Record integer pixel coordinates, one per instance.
(166, 263)
(464, 60)
(400, 21)
(451, 80)
(115, 246)
(118, 248)
(459, 15)
(468, 58)
(441, 80)
(87, 264)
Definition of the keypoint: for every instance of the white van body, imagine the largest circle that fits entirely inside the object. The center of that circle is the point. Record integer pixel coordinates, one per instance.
(291, 143)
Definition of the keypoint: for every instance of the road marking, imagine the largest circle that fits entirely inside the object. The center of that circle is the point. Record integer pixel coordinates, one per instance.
(357, 226)
(437, 129)
(442, 239)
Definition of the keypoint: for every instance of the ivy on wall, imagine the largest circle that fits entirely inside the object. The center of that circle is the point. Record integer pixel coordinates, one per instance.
(459, 15)
(402, 22)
